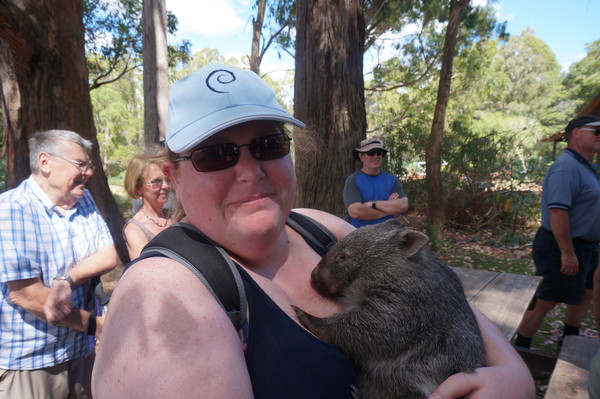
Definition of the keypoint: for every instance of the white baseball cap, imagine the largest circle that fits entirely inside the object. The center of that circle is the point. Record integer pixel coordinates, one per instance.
(214, 98)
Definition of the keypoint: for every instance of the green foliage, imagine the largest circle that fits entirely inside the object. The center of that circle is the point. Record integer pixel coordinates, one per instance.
(281, 14)
(531, 83)
(113, 39)
(118, 115)
(583, 79)
(507, 93)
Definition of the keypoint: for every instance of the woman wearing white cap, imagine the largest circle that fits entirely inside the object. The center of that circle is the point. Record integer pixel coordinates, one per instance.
(165, 334)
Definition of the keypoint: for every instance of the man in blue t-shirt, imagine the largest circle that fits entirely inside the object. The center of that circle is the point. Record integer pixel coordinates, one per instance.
(370, 195)
(565, 247)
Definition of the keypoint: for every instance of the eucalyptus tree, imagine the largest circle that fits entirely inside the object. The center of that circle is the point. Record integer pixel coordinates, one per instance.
(433, 152)
(328, 97)
(156, 86)
(119, 118)
(583, 79)
(44, 79)
(330, 41)
(272, 25)
(331, 38)
(114, 39)
(44, 85)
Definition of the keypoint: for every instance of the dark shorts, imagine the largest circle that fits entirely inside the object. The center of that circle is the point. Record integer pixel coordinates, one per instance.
(556, 287)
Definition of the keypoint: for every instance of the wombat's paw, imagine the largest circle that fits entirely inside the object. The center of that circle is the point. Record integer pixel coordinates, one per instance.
(299, 312)
(304, 318)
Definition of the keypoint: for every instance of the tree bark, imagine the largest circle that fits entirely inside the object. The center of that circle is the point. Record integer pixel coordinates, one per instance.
(329, 98)
(433, 164)
(44, 85)
(156, 84)
(255, 55)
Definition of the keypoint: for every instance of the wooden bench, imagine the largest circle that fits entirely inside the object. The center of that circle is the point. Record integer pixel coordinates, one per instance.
(570, 376)
(501, 297)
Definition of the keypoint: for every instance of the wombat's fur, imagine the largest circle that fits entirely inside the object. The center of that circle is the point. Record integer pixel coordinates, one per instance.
(405, 323)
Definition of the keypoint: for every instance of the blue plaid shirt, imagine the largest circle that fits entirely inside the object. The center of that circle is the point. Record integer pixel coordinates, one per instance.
(37, 241)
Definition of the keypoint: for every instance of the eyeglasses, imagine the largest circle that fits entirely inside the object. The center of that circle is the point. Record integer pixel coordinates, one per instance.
(222, 156)
(372, 153)
(158, 182)
(83, 166)
(589, 129)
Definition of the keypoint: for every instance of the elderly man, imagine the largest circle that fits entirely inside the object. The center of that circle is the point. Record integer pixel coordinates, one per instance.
(52, 241)
(565, 248)
(370, 195)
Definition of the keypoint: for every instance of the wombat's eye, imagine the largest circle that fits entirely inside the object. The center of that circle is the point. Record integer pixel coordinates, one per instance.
(341, 257)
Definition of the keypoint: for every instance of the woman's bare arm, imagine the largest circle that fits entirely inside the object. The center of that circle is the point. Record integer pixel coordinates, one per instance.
(166, 336)
(506, 375)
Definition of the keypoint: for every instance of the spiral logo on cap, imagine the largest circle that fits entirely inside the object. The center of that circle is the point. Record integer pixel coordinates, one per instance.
(223, 77)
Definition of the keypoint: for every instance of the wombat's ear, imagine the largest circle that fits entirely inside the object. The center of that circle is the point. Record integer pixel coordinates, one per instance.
(411, 241)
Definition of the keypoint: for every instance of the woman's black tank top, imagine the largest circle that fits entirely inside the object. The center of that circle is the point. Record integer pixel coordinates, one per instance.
(286, 361)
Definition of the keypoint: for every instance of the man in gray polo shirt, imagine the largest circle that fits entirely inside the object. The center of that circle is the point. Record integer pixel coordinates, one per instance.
(565, 248)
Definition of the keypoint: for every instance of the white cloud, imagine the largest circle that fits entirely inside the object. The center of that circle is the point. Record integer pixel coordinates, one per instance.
(500, 15)
(277, 70)
(567, 65)
(207, 17)
(479, 3)
(580, 56)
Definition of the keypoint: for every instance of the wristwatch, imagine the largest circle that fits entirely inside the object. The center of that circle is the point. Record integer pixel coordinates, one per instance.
(374, 205)
(66, 278)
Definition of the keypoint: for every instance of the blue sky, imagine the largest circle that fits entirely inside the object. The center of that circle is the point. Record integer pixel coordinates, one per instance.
(566, 26)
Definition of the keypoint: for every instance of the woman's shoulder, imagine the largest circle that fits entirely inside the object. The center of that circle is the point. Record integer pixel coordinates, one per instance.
(161, 310)
(339, 227)
(156, 282)
(139, 226)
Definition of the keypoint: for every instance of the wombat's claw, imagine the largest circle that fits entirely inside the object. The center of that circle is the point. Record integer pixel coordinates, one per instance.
(303, 317)
(299, 312)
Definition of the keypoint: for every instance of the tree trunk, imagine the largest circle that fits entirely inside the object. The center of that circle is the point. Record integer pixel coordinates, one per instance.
(44, 85)
(156, 84)
(329, 98)
(255, 56)
(435, 191)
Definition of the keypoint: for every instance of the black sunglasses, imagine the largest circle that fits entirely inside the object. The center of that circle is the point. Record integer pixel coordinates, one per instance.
(589, 129)
(222, 156)
(372, 153)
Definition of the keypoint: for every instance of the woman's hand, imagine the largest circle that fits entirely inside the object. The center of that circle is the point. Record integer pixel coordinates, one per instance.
(487, 383)
(506, 376)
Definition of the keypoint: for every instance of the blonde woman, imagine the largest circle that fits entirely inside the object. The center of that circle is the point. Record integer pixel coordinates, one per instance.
(145, 180)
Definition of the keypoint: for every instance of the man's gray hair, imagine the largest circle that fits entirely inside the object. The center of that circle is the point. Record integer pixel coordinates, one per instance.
(52, 142)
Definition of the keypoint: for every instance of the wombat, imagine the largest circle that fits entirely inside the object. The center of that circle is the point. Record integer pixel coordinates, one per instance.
(405, 323)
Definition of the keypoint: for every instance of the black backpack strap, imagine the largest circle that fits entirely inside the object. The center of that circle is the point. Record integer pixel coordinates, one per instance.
(313, 232)
(208, 261)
